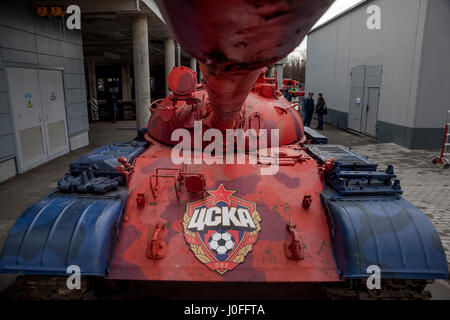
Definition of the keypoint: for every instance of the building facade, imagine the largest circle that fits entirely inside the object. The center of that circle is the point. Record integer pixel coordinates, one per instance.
(53, 80)
(391, 83)
(43, 110)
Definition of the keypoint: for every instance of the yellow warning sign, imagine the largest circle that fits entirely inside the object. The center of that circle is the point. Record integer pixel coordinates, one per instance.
(28, 96)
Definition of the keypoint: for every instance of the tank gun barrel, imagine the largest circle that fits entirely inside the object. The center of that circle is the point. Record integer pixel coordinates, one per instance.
(235, 39)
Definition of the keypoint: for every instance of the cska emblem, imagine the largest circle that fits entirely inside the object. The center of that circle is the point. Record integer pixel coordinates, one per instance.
(221, 229)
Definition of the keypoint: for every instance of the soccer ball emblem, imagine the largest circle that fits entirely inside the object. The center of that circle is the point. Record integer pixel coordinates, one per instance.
(221, 242)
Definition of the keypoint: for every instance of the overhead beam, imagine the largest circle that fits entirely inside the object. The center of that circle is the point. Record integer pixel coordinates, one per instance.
(89, 6)
(105, 6)
(152, 6)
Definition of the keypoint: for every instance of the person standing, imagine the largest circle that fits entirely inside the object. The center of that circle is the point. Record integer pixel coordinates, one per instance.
(287, 95)
(112, 102)
(321, 110)
(309, 109)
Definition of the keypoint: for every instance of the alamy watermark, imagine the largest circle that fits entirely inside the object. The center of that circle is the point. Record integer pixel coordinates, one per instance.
(73, 282)
(374, 281)
(374, 20)
(236, 147)
(73, 13)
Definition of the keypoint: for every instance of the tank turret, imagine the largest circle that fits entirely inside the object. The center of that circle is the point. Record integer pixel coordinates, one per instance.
(234, 40)
(233, 50)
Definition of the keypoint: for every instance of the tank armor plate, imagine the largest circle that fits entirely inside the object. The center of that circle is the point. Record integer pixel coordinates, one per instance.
(103, 161)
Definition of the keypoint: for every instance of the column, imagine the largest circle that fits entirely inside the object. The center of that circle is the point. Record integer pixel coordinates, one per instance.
(178, 54)
(141, 70)
(194, 64)
(92, 79)
(126, 82)
(169, 60)
(279, 72)
(271, 73)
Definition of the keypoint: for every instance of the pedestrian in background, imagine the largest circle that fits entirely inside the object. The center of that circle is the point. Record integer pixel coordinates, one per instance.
(321, 110)
(112, 103)
(309, 109)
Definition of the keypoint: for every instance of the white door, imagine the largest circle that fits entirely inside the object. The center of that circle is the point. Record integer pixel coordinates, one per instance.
(25, 96)
(371, 111)
(356, 97)
(54, 112)
(38, 106)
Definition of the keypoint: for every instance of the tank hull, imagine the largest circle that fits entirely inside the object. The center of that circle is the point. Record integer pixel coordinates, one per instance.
(278, 200)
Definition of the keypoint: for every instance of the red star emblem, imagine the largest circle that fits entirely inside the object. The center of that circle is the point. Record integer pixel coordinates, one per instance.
(221, 194)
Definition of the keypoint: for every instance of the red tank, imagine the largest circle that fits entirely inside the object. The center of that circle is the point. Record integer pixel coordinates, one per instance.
(228, 188)
(241, 204)
(233, 41)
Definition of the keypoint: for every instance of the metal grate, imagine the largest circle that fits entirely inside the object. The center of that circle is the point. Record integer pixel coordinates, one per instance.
(347, 159)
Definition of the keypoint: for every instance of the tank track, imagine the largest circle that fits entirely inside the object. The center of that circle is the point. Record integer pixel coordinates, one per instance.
(392, 289)
(54, 288)
(28, 287)
(43, 288)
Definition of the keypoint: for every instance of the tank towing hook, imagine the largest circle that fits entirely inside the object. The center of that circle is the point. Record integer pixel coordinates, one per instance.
(157, 247)
(294, 248)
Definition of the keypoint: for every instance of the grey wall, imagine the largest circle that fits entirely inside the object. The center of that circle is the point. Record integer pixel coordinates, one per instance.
(346, 42)
(27, 40)
(433, 94)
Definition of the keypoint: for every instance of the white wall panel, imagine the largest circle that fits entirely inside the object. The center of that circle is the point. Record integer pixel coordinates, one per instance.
(346, 42)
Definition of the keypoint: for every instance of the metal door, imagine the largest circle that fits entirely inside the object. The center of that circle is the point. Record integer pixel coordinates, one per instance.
(373, 99)
(26, 106)
(356, 97)
(54, 112)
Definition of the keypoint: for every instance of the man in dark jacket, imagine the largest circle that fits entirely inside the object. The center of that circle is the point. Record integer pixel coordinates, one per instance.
(321, 110)
(309, 109)
(112, 104)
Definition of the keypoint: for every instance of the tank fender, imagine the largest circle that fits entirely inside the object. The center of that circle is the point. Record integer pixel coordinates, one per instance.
(63, 230)
(388, 232)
